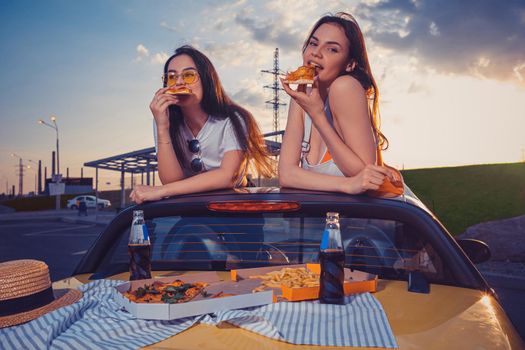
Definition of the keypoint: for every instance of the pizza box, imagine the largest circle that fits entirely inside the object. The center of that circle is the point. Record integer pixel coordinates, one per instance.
(200, 305)
(355, 281)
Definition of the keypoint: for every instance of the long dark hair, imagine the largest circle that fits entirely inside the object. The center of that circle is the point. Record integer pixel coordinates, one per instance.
(357, 54)
(216, 102)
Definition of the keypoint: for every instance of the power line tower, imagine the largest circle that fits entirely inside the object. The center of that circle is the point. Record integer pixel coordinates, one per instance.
(275, 102)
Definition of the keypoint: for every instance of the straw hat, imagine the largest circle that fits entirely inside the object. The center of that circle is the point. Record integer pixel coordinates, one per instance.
(26, 292)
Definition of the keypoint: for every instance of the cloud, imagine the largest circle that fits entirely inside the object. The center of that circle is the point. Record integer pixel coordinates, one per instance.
(159, 58)
(250, 93)
(479, 38)
(277, 30)
(165, 25)
(229, 6)
(416, 88)
(235, 53)
(517, 71)
(261, 25)
(252, 96)
(434, 30)
(142, 52)
(180, 26)
(274, 23)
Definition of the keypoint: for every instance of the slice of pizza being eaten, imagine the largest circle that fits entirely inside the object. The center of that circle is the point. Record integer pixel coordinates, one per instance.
(302, 75)
(179, 91)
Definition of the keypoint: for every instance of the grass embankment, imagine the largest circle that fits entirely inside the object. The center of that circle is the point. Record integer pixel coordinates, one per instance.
(466, 195)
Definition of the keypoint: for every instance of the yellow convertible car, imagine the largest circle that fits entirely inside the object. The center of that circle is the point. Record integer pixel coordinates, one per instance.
(429, 294)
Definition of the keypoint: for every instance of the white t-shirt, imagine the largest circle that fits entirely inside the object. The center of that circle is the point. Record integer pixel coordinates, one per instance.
(216, 137)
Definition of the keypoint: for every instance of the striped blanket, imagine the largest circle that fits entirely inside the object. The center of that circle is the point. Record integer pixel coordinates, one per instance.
(97, 322)
(360, 322)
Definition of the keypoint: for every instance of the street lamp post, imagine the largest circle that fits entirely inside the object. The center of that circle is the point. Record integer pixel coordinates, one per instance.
(54, 126)
(39, 172)
(29, 167)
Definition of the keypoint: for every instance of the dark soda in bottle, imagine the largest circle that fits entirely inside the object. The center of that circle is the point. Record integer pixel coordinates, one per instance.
(139, 248)
(332, 261)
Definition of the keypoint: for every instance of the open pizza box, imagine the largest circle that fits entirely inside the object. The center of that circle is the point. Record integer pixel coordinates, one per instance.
(355, 281)
(242, 297)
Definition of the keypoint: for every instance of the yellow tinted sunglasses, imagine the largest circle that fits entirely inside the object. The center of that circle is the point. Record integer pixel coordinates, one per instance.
(189, 76)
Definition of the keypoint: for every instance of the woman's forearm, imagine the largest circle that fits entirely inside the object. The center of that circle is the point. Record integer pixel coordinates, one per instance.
(207, 181)
(295, 177)
(167, 163)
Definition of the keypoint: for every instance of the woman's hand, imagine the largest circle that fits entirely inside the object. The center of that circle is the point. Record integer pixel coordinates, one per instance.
(310, 102)
(142, 193)
(159, 107)
(369, 178)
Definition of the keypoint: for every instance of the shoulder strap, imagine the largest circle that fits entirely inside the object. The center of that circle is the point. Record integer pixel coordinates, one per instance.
(305, 146)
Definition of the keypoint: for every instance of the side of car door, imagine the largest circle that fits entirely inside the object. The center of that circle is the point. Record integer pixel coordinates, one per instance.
(90, 202)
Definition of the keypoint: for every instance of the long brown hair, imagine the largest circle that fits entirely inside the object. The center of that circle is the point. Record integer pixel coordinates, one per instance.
(216, 102)
(357, 54)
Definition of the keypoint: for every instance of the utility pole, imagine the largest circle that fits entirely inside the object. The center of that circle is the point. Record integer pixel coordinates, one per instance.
(39, 177)
(275, 102)
(20, 174)
(20, 177)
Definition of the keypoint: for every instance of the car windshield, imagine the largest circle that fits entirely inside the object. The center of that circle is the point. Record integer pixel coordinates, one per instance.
(387, 248)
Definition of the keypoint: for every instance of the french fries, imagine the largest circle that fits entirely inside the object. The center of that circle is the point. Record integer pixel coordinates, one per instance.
(288, 277)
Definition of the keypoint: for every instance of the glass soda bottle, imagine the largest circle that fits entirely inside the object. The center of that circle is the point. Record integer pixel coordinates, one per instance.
(332, 261)
(139, 248)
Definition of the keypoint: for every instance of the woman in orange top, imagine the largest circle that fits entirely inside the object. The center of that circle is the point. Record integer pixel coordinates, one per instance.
(332, 135)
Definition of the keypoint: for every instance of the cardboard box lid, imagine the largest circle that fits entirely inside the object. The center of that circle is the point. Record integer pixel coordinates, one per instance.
(242, 290)
(355, 281)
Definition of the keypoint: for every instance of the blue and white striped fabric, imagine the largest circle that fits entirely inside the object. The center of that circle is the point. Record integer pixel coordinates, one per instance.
(360, 322)
(94, 322)
(97, 322)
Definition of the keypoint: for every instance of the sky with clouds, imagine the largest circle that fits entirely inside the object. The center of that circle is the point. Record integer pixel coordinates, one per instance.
(451, 73)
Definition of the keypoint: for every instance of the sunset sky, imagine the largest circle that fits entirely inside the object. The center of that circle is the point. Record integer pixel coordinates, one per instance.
(451, 73)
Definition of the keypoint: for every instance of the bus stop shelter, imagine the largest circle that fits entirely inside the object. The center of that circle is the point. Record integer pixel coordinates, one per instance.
(144, 162)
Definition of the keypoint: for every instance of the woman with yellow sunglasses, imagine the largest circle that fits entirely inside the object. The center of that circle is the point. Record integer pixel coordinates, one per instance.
(204, 140)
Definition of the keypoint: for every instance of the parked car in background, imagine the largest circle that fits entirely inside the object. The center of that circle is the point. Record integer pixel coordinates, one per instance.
(91, 202)
(433, 295)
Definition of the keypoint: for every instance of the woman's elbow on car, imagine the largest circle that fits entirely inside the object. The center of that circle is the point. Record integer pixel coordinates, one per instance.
(285, 175)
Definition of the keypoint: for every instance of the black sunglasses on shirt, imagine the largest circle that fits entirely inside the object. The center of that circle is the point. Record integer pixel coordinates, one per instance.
(196, 164)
